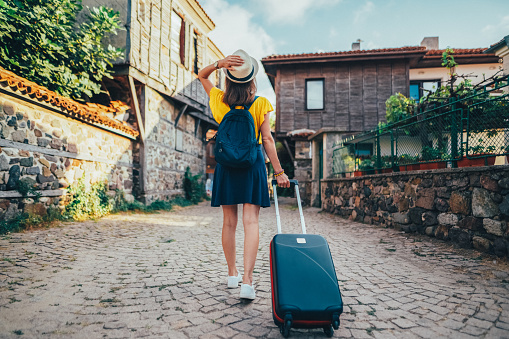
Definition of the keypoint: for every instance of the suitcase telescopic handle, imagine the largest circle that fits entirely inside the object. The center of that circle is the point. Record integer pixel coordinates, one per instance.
(278, 218)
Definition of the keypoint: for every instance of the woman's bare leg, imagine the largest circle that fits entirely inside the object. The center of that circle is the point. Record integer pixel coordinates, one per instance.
(228, 237)
(250, 216)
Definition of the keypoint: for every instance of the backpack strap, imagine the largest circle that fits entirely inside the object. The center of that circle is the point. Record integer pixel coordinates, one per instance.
(247, 107)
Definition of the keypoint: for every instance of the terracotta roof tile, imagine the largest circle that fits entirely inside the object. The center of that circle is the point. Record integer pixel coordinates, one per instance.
(457, 51)
(357, 52)
(88, 112)
(430, 53)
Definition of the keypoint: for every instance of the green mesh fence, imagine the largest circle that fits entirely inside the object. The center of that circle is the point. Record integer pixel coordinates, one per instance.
(488, 128)
(444, 135)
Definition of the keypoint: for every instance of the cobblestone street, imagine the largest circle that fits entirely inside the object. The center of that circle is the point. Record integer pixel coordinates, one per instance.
(164, 275)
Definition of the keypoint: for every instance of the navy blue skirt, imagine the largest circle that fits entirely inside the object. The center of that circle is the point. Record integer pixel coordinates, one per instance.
(234, 186)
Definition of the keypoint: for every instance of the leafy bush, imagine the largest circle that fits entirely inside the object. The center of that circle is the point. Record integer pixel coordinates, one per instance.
(87, 201)
(40, 41)
(120, 204)
(398, 107)
(194, 188)
(366, 165)
(431, 153)
(24, 221)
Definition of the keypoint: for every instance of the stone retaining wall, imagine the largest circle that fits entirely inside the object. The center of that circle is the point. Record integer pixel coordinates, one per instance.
(469, 206)
(51, 151)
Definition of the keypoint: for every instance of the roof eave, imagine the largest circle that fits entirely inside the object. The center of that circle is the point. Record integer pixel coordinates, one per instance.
(498, 45)
(344, 58)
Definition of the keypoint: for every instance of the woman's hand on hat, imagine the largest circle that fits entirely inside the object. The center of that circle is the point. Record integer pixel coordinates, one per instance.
(230, 62)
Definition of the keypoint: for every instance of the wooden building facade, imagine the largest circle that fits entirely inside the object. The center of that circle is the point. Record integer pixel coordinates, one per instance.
(165, 44)
(355, 87)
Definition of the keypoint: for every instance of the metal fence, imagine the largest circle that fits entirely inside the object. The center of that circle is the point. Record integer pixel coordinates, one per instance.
(452, 133)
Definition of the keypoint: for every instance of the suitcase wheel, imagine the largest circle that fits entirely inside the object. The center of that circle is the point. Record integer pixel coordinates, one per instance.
(335, 321)
(329, 331)
(285, 331)
(285, 327)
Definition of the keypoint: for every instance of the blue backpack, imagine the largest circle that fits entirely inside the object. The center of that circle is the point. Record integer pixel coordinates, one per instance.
(236, 141)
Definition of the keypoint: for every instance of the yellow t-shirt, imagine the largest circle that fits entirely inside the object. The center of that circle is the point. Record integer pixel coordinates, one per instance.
(258, 110)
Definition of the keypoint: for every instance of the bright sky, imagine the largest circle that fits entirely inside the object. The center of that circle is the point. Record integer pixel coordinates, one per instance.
(265, 27)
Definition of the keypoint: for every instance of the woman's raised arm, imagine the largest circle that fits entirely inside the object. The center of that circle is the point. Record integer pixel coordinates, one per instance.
(230, 62)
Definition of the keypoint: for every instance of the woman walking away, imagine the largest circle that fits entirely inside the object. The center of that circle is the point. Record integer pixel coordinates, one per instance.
(247, 186)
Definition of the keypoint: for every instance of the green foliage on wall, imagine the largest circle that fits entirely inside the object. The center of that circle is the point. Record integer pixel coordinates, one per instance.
(41, 41)
(25, 221)
(26, 188)
(87, 201)
(90, 201)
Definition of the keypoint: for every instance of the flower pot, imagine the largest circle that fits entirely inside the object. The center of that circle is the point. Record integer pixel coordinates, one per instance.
(387, 170)
(465, 162)
(402, 168)
(359, 173)
(433, 165)
(413, 167)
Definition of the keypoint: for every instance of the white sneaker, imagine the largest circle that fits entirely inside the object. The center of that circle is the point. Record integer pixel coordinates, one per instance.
(247, 292)
(233, 281)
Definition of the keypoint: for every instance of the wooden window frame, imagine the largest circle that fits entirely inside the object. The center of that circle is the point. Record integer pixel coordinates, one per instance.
(182, 42)
(195, 49)
(181, 34)
(306, 94)
(219, 78)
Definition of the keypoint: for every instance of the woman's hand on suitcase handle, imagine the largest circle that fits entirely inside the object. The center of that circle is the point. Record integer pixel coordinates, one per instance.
(283, 181)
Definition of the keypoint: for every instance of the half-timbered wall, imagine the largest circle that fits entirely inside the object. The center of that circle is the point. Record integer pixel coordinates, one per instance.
(354, 95)
(155, 46)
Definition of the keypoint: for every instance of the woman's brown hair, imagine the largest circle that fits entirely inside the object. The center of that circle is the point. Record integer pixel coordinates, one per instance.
(239, 94)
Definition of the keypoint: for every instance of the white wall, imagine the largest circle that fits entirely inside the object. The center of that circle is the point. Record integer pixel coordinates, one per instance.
(434, 73)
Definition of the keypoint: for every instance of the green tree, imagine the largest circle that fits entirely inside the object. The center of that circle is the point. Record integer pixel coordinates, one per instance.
(398, 107)
(41, 41)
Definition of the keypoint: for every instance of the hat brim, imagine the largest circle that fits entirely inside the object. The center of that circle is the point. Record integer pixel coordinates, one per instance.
(255, 71)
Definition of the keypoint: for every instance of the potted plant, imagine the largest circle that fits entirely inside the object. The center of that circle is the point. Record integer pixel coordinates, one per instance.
(407, 162)
(365, 167)
(478, 156)
(432, 158)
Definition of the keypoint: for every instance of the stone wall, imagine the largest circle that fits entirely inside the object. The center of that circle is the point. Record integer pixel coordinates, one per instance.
(51, 151)
(303, 170)
(469, 206)
(165, 158)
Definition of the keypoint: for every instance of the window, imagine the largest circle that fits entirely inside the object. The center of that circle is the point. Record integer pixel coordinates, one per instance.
(420, 88)
(195, 53)
(314, 94)
(178, 38)
(364, 150)
(219, 78)
(179, 140)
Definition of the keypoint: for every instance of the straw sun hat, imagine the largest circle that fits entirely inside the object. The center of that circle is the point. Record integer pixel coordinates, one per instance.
(244, 73)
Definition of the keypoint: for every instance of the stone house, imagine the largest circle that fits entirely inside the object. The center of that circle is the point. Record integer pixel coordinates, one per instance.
(143, 132)
(324, 97)
(165, 45)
